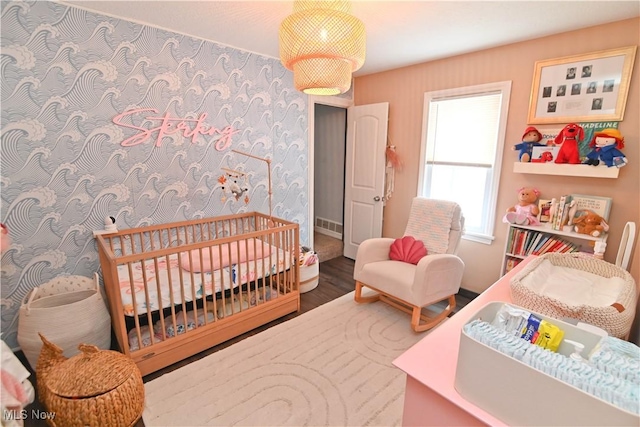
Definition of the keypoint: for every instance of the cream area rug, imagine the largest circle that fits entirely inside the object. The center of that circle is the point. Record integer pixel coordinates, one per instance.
(330, 366)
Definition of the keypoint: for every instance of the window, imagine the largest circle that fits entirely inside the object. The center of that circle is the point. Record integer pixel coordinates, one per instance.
(462, 139)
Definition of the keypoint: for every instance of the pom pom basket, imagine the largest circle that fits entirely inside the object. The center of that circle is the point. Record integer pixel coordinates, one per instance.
(616, 321)
(309, 270)
(69, 310)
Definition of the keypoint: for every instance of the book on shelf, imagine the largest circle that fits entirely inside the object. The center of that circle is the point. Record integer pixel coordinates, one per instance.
(556, 244)
(557, 212)
(561, 212)
(546, 245)
(550, 241)
(512, 239)
(516, 241)
(523, 240)
(597, 204)
(563, 247)
(531, 235)
(520, 241)
(543, 240)
(572, 247)
(511, 263)
(534, 243)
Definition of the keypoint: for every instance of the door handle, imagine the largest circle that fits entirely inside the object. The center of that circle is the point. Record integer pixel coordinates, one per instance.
(376, 199)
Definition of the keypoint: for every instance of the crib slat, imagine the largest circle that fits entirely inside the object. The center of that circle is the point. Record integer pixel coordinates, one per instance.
(156, 268)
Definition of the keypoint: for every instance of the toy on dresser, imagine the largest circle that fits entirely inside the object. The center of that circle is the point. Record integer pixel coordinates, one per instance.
(526, 210)
(605, 148)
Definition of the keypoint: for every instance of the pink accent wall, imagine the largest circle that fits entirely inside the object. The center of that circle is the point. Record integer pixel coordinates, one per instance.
(404, 89)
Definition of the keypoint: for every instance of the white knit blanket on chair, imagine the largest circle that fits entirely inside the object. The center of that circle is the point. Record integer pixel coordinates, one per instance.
(430, 221)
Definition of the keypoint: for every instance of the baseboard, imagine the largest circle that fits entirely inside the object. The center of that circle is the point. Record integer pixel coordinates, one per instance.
(328, 232)
(328, 227)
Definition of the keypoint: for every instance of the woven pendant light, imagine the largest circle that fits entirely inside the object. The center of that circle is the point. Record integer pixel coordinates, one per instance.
(322, 44)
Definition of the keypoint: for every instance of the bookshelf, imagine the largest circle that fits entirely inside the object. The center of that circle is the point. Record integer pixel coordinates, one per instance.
(525, 240)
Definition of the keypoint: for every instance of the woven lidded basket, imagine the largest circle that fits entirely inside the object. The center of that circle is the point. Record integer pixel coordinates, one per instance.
(93, 388)
(616, 318)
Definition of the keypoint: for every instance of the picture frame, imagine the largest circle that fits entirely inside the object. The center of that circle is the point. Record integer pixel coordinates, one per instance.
(544, 154)
(544, 210)
(591, 87)
(597, 204)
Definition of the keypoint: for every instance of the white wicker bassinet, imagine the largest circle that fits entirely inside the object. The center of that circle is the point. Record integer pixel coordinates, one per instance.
(616, 319)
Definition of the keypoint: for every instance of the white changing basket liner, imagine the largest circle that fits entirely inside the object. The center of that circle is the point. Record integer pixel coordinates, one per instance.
(578, 287)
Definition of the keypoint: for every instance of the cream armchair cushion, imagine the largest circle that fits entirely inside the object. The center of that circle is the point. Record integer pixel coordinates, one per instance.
(436, 277)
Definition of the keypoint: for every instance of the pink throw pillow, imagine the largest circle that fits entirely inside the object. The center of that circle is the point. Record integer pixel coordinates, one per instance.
(241, 251)
(407, 249)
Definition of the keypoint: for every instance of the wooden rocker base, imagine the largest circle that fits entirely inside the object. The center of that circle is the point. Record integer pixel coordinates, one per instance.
(419, 321)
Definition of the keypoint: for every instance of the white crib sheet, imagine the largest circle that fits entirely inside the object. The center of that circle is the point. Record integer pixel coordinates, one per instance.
(572, 286)
(172, 295)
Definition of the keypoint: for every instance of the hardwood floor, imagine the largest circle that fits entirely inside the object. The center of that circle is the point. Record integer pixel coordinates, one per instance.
(336, 279)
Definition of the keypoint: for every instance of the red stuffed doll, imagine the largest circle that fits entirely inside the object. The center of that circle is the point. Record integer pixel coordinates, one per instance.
(569, 137)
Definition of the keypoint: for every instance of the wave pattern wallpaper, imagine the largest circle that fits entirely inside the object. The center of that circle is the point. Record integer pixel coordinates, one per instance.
(67, 73)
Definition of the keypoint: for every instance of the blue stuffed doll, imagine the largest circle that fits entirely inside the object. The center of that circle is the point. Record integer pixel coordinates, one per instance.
(531, 138)
(605, 147)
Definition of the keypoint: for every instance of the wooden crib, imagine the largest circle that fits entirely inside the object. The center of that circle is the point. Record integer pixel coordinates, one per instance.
(177, 289)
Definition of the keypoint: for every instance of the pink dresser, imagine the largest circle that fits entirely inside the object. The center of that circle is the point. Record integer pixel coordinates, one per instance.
(430, 365)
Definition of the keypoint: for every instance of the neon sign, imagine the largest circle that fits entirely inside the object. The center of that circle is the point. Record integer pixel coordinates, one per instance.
(190, 128)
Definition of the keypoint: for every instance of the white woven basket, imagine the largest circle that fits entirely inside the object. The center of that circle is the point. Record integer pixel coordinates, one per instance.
(309, 277)
(69, 310)
(616, 321)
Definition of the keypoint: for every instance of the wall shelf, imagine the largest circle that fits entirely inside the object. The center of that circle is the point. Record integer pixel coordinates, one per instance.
(566, 169)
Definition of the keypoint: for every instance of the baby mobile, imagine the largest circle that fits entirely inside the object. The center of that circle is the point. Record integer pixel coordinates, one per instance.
(234, 182)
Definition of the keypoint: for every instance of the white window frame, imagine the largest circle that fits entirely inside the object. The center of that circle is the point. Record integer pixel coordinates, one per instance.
(503, 88)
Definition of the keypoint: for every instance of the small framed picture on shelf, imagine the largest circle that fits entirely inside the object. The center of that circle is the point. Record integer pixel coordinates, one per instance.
(599, 205)
(544, 207)
(544, 154)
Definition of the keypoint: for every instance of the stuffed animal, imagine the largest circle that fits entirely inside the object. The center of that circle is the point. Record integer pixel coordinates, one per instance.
(590, 223)
(531, 138)
(606, 146)
(526, 211)
(573, 208)
(568, 139)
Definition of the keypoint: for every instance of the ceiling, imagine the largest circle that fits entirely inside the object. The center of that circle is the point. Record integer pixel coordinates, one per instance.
(399, 33)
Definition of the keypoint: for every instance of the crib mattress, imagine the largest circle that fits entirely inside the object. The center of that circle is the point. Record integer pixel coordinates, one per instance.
(163, 284)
